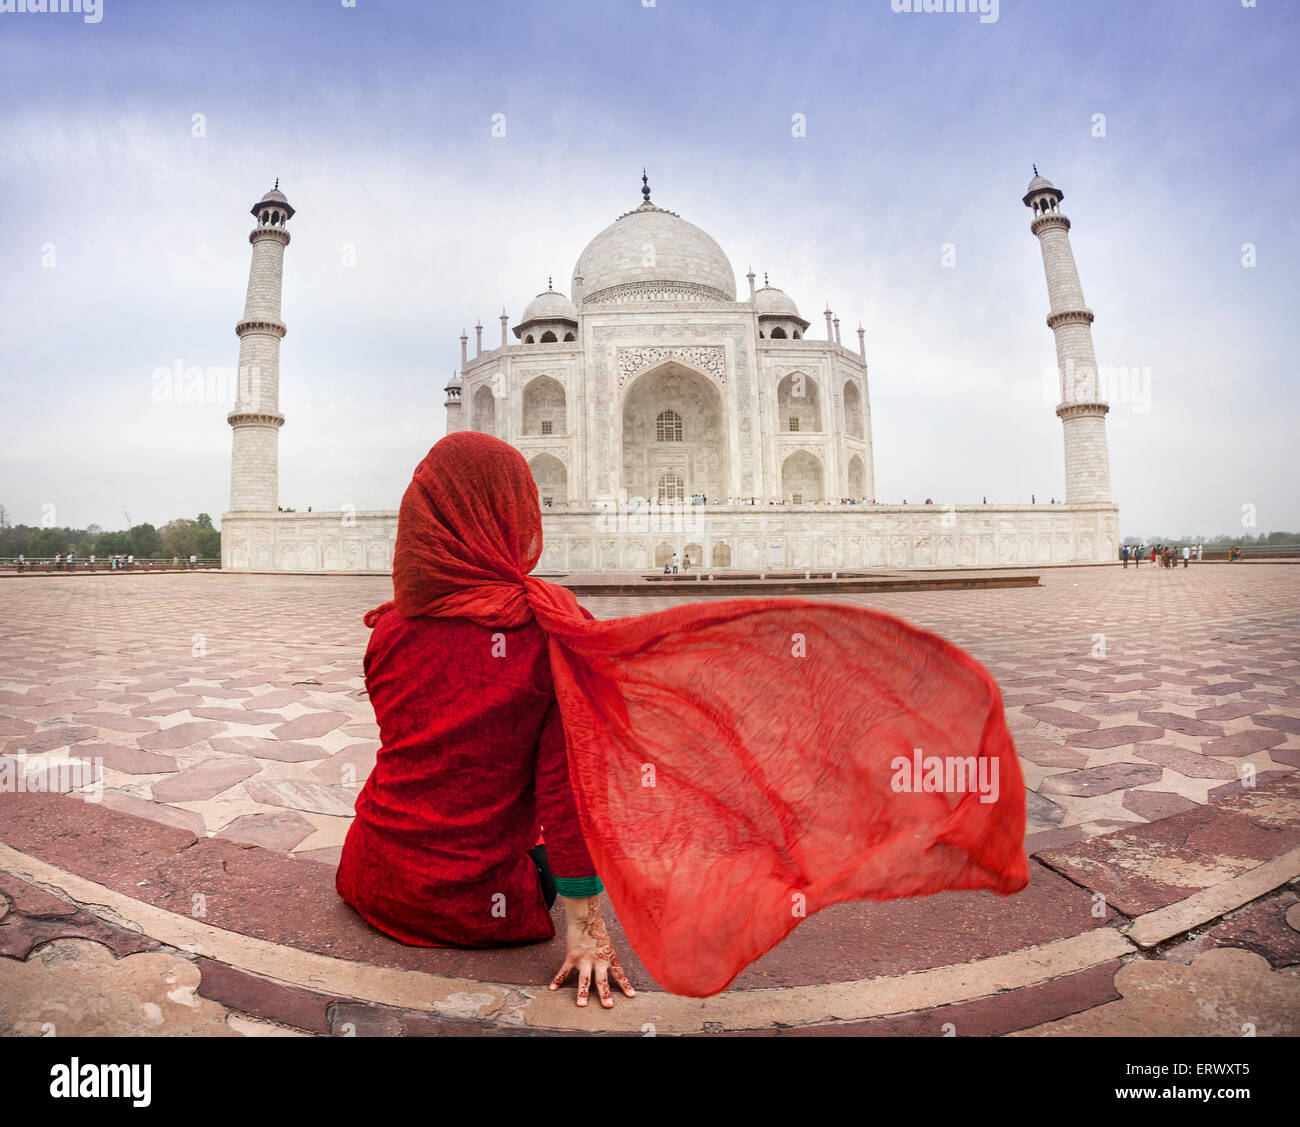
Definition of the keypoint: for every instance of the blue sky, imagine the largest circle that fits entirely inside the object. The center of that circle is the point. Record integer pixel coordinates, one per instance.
(921, 128)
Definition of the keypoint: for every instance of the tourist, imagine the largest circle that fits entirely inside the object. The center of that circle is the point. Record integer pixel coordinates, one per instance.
(92, 561)
(194, 561)
(72, 562)
(1153, 555)
(1125, 555)
(1187, 555)
(22, 561)
(58, 561)
(469, 825)
(674, 563)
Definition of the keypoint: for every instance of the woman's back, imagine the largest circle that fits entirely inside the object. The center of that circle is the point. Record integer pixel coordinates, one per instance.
(438, 851)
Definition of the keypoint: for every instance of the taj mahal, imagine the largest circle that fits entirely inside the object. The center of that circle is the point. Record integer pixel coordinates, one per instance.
(662, 413)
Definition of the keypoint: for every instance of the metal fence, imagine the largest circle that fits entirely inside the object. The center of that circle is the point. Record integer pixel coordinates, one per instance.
(80, 564)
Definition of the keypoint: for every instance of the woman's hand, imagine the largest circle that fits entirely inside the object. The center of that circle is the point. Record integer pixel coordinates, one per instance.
(588, 949)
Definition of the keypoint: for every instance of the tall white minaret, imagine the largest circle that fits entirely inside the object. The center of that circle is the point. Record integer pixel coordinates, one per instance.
(455, 410)
(1082, 411)
(256, 419)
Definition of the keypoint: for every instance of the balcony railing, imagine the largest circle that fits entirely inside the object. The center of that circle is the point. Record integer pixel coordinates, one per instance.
(49, 566)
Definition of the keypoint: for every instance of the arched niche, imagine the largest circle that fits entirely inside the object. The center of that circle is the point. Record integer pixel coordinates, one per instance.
(853, 411)
(674, 423)
(798, 398)
(543, 404)
(552, 480)
(485, 411)
(857, 477)
(802, 478)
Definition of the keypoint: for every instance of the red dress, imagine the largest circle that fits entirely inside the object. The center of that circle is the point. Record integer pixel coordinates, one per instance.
(472, 762)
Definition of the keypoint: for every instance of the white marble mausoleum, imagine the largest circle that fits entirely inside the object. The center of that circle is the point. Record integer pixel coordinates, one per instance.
(662, 412)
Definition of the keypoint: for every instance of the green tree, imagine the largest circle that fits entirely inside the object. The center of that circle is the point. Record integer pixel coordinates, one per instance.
(111, 544)
(49, 542)
(209, 544)
(145, 542)
(204, 521)
(180, 537)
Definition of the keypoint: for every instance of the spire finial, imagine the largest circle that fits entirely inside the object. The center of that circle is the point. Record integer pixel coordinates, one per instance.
(765, 281)
(1035, 170)
(277, 183)
(549, 286)
(645, 186)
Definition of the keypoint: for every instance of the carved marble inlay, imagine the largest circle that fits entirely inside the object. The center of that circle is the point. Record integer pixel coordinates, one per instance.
(631, 292)
(710, 359)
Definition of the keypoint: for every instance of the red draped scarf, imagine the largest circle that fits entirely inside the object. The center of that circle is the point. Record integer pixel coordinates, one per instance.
(736, 765)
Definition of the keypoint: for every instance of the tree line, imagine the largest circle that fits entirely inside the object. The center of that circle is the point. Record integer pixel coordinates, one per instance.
(181, 537)
(1223, 541)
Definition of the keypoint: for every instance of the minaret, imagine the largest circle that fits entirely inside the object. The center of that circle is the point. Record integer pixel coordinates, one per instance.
(1081, 411)
(455, 412)
(256, 419)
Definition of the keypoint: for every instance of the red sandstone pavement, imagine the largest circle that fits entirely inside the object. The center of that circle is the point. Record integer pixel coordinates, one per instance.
(229, 717)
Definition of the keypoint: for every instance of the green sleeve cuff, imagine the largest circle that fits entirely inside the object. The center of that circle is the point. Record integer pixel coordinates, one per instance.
(577, 887)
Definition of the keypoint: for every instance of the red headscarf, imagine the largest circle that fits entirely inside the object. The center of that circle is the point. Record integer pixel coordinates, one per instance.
(737, 765)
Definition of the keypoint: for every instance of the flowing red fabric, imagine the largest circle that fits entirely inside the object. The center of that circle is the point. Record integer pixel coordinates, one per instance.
(736, 765)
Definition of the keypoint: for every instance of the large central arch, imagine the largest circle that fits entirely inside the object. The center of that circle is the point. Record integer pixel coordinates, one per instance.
(674, 429)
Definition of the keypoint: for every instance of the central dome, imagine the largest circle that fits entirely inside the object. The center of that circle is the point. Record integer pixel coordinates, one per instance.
(654, 245)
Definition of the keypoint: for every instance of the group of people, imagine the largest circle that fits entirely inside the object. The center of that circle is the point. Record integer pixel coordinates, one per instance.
(1161, 554)
(69, 562)
(733, 501)
(123, 561)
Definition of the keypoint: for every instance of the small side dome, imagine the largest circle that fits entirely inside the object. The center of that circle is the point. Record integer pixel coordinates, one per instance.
(770, 300)
(778, 316)
(550, 318)
(1040, 182)
(550, 306)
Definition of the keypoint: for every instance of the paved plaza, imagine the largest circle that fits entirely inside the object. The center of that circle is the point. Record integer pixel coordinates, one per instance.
(1156, 714)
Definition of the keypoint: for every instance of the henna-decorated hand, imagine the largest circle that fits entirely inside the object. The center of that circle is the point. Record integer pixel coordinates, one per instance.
(588, 949)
